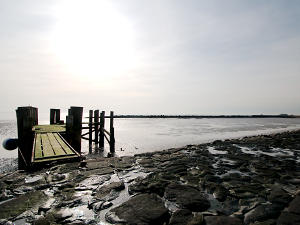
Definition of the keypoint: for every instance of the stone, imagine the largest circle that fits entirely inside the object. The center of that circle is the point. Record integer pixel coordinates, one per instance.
(280, 196)
(262, 212)
(222, 220)
(287, 218)
(294, 206)
(180, 217)
(186, 196)
(141, 209)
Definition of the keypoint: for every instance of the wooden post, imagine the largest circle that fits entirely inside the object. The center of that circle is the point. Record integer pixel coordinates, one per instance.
(54, 116)
(112, 133)
(90, 130)
(57, 116)
(102, 125)
(73, 127)
(96, 121)
(27, 117)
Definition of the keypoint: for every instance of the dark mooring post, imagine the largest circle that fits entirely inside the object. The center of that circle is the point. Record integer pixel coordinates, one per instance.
(27, 117)
(74, 127)
(96, 121)
(54, 116)
(90, 130)
(102, 125)
(112, 133)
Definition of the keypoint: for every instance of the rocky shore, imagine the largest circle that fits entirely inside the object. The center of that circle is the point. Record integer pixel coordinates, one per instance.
(253, 180)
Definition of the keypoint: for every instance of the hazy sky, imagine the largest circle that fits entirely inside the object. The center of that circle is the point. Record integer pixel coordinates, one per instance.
(151, 57)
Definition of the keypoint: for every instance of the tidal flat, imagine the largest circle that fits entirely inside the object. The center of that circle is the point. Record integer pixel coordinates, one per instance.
(251, 180)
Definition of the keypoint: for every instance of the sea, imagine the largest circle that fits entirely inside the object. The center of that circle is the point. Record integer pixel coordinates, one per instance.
(140, 135)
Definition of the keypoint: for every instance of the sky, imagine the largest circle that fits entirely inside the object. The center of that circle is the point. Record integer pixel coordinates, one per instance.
(151, 57)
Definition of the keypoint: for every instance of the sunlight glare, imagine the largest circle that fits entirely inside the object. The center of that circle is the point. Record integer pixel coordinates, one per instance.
(93, 39)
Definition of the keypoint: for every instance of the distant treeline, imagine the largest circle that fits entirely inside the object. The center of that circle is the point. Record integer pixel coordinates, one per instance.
(206, 116)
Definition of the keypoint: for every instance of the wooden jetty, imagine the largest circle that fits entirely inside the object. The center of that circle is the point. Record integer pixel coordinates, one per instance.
(43, 144)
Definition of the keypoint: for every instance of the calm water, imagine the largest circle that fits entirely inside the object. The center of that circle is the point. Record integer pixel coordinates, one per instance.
(146, 135)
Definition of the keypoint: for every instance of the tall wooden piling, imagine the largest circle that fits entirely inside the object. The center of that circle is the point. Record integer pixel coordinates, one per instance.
(74, 127)
(102, 125)
(96, 121)
(112, 133)
(90, 131)
(27, 117)
(54, 116)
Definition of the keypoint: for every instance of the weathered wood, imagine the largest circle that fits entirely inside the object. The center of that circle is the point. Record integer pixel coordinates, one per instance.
(63, 144)
(47, 147)
(58, 150)
(54, 116)
(73, 129)
(96, 120)
(38, 147)
(90, 131)
(112, 133)
(106, 132)
(27, 117)
(102, 124)
(107, 139)
(49, 128)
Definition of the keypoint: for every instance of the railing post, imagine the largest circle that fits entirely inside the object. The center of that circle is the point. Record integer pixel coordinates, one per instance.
(96, 120)
(90, 130)
(74, 127)
(112, 133)
(102, 125)
(54, 116)
(27, 117)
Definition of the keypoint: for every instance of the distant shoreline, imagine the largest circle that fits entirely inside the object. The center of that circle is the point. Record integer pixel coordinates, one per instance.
(205, 116)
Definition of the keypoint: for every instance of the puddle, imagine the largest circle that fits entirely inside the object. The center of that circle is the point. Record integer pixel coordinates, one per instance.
(33, 179)
(216, 152)
(273, 151)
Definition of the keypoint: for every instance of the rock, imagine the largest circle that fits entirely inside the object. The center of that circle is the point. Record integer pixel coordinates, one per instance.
(180, 217)
(280, 196)
(220, 193)
(141, 209)
(262, 212)
(106, 205)
(111, 217)
(187, 197)
(294, 206)
(222, 220)
(287, 218)
(196, 220)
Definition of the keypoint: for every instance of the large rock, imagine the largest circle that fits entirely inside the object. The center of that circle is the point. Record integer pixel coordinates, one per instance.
(287, 218)
(280, 196)
(294, 206)
(222, 220)
(140, 210)
(187, 197)
(262, 213)
(180, 217)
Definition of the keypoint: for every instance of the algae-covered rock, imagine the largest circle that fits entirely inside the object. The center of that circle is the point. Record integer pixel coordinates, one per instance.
(16, 206)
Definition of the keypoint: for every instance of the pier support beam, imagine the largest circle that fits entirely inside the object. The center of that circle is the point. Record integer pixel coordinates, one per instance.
(27, 117)
(54, 116)
(96, 121)
(112, 133)
(74, 127)
(90, 131)
(102, 125)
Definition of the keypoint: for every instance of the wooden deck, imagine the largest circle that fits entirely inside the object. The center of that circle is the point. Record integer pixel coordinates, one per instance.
(49, 145)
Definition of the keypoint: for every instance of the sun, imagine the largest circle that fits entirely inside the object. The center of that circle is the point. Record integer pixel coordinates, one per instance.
(93, 39)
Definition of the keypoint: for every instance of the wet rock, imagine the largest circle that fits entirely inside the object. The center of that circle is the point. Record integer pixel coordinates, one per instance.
(198, 219)
(146, 208)
(220, 193)
(279, 196)
(287, 218)
(294, 206)
(262, 213)
(187, 197)
(110, 189)
(181, 217)
(222, 220)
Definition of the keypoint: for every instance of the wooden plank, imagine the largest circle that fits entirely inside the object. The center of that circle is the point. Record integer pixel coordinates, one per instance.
(64, 157)
(47, 148)
(58, 150)
(38, 147)
(63, 145)
(49, 128)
